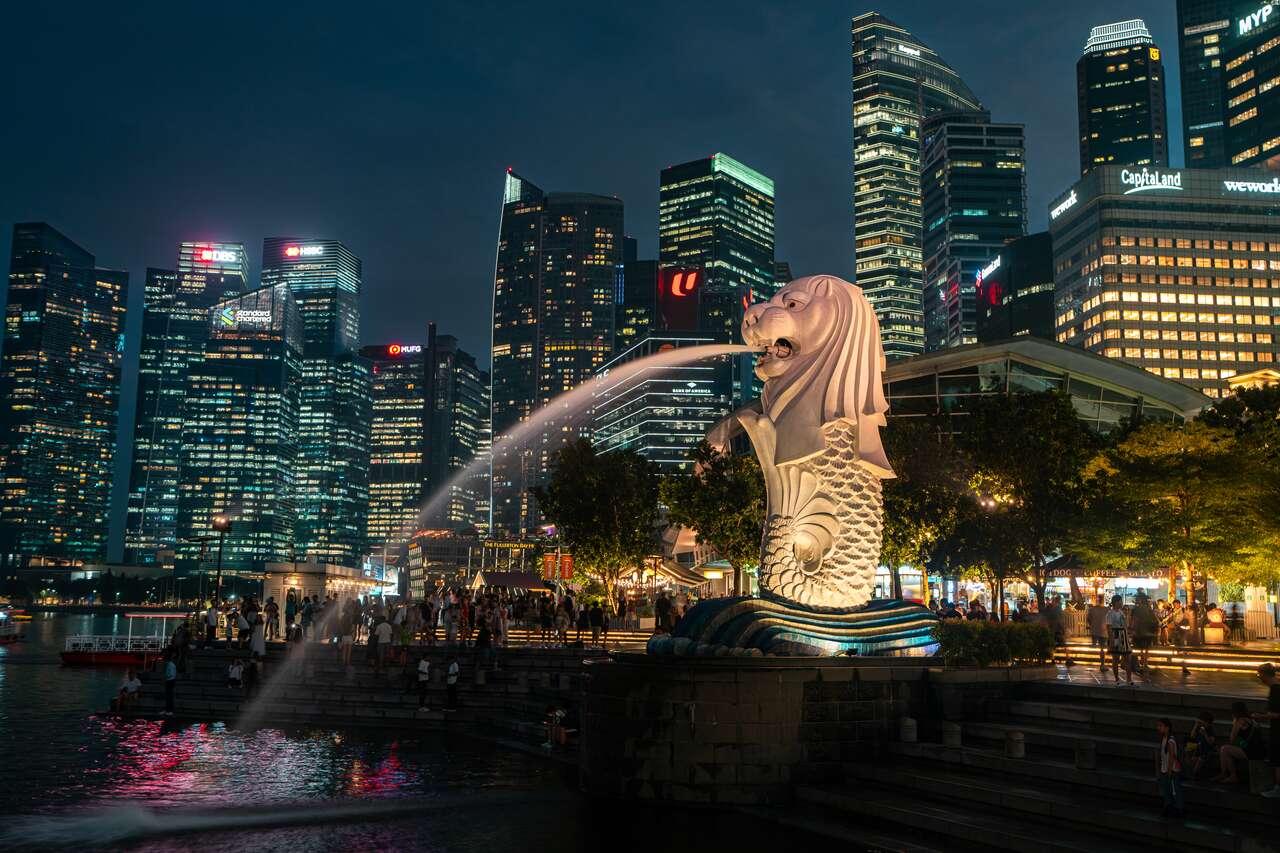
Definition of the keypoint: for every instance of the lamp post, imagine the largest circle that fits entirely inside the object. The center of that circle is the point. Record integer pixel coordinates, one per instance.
(222, 524)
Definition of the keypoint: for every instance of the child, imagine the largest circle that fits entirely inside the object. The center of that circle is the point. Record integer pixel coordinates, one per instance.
(1169, 770)
(1201, 743)
(235, 673)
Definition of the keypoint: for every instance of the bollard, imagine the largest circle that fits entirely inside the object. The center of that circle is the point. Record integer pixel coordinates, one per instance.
(907, 730)
(951, 735)
(1086, 755)
(480, 677)
(1015, 745)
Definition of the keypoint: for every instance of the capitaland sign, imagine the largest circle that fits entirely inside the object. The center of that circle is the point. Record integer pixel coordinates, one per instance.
(1254, 19)
(988, 269)
(1264, 187)
(1064, 205)
(1148, 180)
(303, 251)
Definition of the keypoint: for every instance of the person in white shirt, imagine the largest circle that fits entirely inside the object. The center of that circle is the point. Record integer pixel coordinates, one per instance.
(451, 683)
(211, 618)
(129, 690)
(383, 632)
(235, 673)
(424, 681)
(1118, 639)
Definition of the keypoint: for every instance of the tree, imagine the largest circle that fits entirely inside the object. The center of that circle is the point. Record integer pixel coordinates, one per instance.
(922, 503)
(1028, 452)
(1171, 496)
(604, 507)
(723, 501)
(983, 545)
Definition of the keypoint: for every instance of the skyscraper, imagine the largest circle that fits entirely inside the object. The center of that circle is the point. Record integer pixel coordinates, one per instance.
(335, 409)
(59, 398)
(458, 429)
(974, 191)
(553, 302)
(898, 81)
(240, 417)
(175, 326)
(1204, 26)
(1120, 98)
(1251, 97)
(398, 443)
(716, 215)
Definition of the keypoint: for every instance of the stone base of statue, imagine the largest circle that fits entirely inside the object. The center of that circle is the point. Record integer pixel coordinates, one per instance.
(764, 626)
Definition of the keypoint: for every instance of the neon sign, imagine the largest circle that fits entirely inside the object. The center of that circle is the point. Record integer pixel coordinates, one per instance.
(1065, 205)
(237, 316)
(909, 51)
(1253, 20)
(682, 283)
(303, 251)
(404, 349)
(216, 256)
(989, 269)
(1271, 186)
(1147, 180)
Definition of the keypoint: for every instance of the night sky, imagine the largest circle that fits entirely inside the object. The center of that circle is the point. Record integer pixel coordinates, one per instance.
(133, 126)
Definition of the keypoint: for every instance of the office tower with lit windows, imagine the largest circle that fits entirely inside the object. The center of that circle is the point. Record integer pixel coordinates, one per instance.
(59, 399)
(716, 215)
(1174, 270)
(974, 194)
(239, 447)
(781, 274)
(335, 409)
(458, 430)
(398, 444)
(1251, 94)
(175, 326)
(1015, 291)
(553, 310)
(898, 81)
(1204, 27)
(1120, 98)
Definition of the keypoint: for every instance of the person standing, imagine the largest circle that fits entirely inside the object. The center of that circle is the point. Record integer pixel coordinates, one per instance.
(211, 625)
(170, 684)
(451, 683)
(1118, 638)
(1097, 616)
(595, 618)
(1267, 675)
(424, 681)
(258, 637)
(273, 618)
(1169, 770)
(383, 631)
(1145, 628)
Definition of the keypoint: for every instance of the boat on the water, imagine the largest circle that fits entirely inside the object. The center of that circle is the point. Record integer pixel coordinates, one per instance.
(116, 650)
(9, 632)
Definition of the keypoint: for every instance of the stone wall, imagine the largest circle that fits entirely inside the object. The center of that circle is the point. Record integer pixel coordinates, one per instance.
(735, 731)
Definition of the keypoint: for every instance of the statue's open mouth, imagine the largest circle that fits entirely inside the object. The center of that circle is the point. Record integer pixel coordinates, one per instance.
(781, 349)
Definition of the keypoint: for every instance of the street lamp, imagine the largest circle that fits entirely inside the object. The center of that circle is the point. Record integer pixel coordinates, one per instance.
(222, 524)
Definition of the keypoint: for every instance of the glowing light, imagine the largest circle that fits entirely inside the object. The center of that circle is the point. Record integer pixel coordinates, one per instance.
(221, 256)
(303, 251)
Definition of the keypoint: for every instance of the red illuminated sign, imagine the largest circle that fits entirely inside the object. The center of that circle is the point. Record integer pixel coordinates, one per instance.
(303, 251)
(678, 296)
(219, 256)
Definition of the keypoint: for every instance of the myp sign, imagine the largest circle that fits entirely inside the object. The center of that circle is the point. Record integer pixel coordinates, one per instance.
(1254, 19)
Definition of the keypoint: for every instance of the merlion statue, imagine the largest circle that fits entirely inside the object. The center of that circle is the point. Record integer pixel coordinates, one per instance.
(816, 431)
(818, 440)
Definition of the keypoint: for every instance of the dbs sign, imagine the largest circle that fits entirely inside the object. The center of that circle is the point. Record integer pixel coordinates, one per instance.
(678, 292)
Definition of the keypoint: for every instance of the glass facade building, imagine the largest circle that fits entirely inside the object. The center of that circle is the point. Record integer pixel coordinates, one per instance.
(398, 444)
(1177, 271)
(458, 412)
(335, 411)
(716, 215)
(1105, 392)
(553, 314)
(1015, 291)
(175, 327)
(1203, 29)
(974, 193)
(661, 414)
(59, 399)
(240, 435)
(1251, 93)
(898, 81)
(1120, 94)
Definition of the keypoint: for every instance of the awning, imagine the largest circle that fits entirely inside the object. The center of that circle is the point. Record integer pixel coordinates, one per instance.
(510, 580)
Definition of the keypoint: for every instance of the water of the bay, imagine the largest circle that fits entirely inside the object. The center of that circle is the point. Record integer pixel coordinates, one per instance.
(89, 780)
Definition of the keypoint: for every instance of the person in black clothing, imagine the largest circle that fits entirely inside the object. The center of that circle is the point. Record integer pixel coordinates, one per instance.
(1267, 675)
(662, 609)
(596, 618)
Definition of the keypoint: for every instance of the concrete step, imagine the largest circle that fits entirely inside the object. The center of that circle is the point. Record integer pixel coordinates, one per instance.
(931, 819)
(1152, 697)
(1112, 778)
(1113, 817)
(1062, 736)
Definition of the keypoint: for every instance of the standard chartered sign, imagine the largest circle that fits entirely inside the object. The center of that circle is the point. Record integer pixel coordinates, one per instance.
(1150, 179)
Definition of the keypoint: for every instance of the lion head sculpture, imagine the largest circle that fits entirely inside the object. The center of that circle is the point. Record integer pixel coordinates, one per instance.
(823, 363)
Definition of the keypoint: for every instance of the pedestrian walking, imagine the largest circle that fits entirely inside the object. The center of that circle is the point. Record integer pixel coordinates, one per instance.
(451, 683)
(170, 684)
(1118, 637)
(424, 681)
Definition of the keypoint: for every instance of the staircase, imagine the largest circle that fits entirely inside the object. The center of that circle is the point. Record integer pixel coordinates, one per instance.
(1044, 802)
